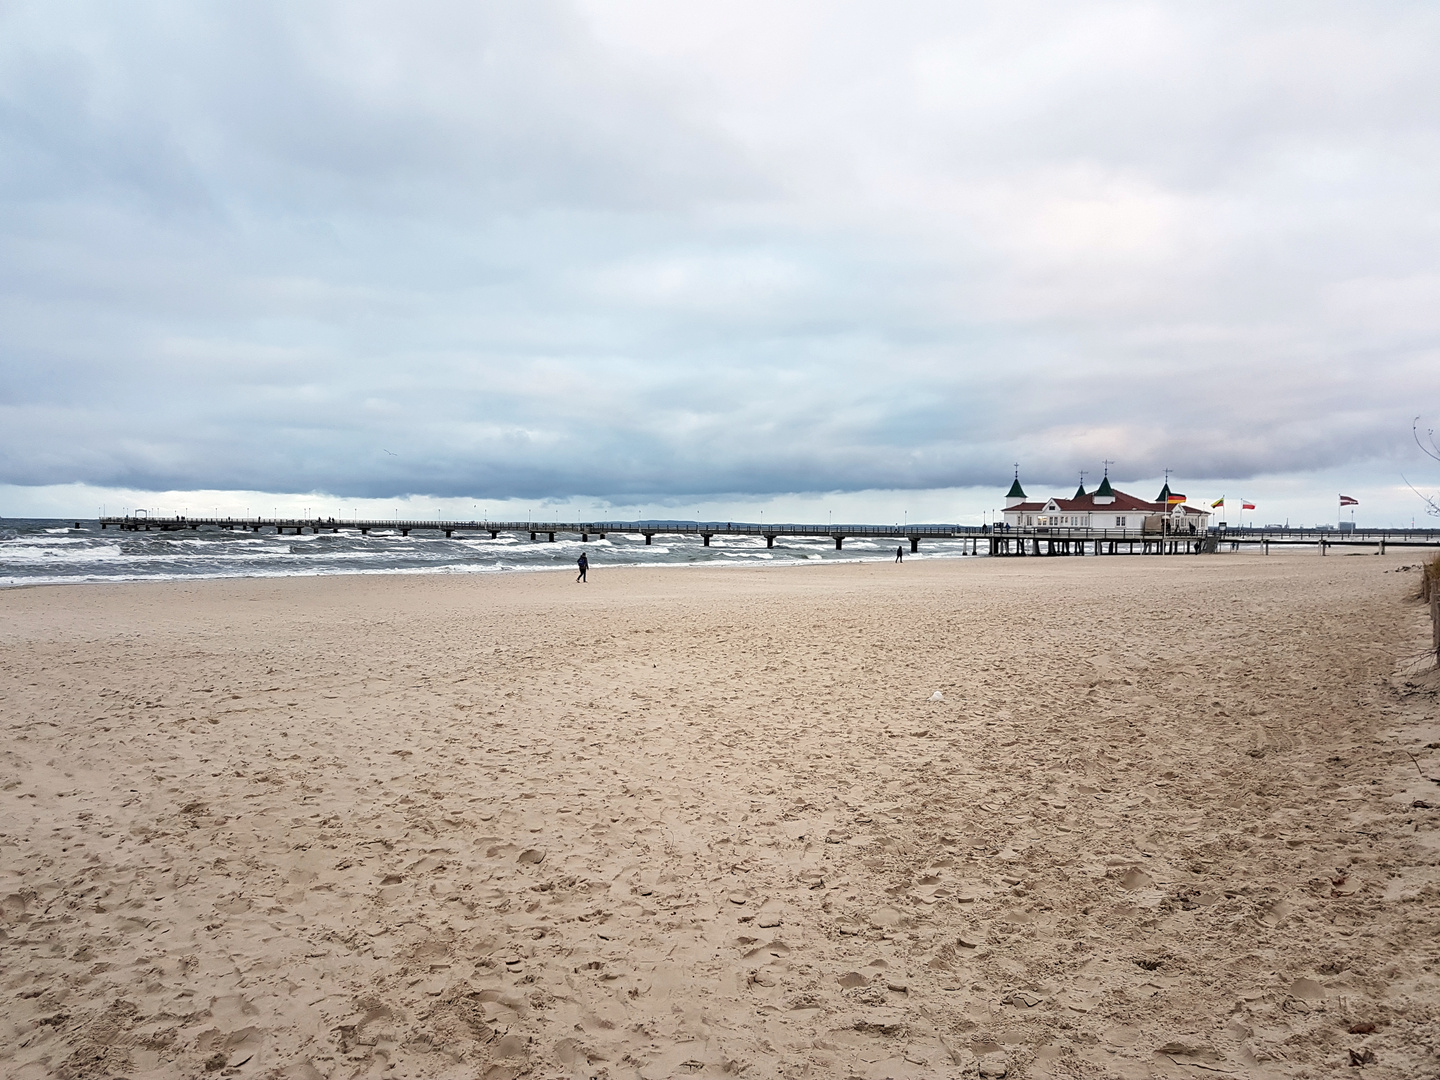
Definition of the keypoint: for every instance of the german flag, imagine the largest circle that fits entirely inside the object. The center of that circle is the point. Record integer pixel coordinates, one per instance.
(1175, 500)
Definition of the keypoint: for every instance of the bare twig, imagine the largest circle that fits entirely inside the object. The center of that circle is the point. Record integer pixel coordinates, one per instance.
(1430, 451)
(1432, 504)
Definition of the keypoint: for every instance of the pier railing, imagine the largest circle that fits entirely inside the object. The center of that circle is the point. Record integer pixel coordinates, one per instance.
(996, 539)
(550, 529)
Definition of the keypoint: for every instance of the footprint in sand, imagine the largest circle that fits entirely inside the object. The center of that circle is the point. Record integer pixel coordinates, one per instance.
(770, 914)
(886, 918)
(775, 950)
(1135, 878)
(1277, 913)
(972, 937)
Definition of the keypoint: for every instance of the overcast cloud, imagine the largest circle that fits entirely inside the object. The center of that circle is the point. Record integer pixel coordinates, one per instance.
(675, 251)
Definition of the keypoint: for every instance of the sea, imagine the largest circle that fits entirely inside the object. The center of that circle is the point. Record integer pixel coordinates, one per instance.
(48, 552)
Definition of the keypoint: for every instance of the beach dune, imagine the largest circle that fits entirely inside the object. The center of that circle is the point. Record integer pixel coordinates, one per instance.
(1167, 817)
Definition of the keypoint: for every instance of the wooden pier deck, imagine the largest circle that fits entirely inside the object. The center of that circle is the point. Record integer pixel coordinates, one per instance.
(1324, 539)
(980, 539)
(550, 529)
(1065, 541)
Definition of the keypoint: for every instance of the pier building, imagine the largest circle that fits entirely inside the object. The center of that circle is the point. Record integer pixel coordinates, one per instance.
(1107, 508)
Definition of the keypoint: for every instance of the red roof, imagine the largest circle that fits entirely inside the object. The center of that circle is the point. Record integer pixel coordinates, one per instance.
(1123, 503)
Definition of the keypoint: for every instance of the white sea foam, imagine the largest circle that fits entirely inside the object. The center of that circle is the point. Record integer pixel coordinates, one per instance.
(42, 553)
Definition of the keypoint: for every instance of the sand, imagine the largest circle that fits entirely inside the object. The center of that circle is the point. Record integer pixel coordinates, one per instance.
(1169, 818)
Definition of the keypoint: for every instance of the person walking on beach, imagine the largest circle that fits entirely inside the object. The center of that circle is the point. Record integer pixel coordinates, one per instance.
(584, 563)
(900, 553)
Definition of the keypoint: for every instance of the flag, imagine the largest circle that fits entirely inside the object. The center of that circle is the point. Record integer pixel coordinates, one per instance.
(1346, 500)
(1217, 502)
(1247, 506)
(1175, 500)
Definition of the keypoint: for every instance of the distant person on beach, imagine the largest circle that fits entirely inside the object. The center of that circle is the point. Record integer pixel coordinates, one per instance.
(900, 553)
(584, 563)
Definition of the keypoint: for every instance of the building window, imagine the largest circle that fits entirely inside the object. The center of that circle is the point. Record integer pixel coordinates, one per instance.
(1120, 522)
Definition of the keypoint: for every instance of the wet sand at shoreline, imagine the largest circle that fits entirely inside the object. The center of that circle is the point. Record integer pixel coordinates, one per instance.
(1169, 818)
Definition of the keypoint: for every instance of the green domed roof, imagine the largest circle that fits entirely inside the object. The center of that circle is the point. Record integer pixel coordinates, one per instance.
(1105, 489)
(1016, 491)
(1080, 491)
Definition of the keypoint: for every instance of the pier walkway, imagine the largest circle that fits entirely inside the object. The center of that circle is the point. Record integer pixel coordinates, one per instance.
(550, 529)
(1064, 541)
(1324, 539)
(980, 539)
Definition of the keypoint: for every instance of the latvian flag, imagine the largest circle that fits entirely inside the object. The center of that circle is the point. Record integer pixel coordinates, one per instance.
(1346, 500)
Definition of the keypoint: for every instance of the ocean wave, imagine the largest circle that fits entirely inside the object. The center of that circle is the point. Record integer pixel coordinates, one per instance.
(41, 552)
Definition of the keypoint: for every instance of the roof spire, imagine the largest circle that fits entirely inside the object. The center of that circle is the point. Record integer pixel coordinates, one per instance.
(1016, 492)
(1104, 495)
(1080, 491)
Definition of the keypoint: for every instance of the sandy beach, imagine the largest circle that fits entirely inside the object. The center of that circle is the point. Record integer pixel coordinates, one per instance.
(1168, 817)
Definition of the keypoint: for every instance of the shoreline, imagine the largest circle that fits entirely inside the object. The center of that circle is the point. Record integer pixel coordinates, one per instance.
(445, 571)
(426, 556)
(748, 563)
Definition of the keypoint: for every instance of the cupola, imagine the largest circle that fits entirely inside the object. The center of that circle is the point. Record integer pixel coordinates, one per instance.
(1104, 494)
(1016, 495)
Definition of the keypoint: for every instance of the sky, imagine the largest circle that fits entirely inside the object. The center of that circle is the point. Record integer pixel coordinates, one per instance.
(612, 260)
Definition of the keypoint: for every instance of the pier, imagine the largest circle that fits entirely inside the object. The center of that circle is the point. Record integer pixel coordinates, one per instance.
(1065, 541)
(1325, 539)
(548, 530)
(999, 541)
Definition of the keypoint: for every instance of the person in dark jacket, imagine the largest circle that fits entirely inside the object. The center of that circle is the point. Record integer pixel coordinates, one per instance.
(584, 563)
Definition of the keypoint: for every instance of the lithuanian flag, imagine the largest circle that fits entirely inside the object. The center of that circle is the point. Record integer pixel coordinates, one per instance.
(1217, 502)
